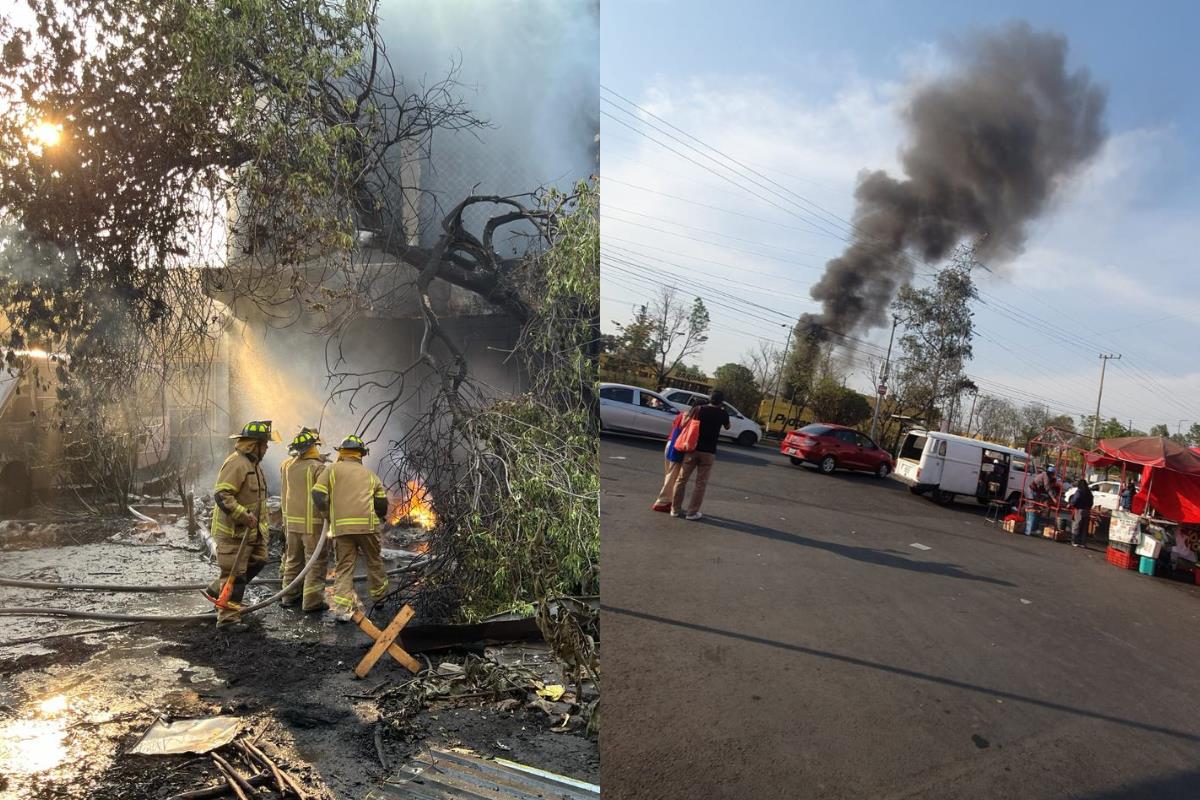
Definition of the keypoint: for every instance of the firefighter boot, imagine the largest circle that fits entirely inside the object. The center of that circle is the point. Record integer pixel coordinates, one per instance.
(252, 570)
(230, 617)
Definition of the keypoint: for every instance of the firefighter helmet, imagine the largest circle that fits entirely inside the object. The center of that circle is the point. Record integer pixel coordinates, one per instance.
(259, 429)
(306, 438)
(354, 443)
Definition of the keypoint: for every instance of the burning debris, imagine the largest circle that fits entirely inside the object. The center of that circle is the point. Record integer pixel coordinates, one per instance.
(989, 145)
(415, 509)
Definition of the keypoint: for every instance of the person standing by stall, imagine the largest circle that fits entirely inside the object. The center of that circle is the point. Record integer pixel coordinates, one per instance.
(1127, 496)
(1081, 513)
(1040, 491)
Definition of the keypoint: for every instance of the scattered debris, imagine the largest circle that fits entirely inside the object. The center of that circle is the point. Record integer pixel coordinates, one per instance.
(551, 692)
(461, 773)
(188, 736)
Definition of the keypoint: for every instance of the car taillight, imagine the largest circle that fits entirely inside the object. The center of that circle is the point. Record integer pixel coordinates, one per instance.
(918, 473)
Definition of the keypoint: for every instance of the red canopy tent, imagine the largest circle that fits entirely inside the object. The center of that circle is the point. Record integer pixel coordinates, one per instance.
(1170, 478)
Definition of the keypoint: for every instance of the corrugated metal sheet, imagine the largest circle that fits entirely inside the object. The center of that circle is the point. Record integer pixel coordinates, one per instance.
(458, 775)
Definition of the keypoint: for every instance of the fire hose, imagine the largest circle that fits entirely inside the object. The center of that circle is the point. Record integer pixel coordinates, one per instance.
(208, 615)
(18, 583)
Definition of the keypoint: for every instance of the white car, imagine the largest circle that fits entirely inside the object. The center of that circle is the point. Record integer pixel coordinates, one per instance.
(632, 409)
(1105, 494)
(742, 429)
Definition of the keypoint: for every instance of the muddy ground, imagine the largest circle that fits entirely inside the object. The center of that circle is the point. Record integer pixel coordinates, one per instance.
(72, 707)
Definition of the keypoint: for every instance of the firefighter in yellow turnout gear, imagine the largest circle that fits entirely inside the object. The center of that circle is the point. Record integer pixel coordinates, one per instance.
(239, 521)
(302, 521)
(356, 504)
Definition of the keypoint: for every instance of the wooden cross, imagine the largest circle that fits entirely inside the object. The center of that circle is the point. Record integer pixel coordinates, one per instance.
(385, 642)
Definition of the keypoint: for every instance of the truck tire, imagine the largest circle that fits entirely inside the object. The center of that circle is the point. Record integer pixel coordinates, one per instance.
(943, 498)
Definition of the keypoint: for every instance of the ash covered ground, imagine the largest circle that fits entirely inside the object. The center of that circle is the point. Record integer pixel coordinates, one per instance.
(71, 707)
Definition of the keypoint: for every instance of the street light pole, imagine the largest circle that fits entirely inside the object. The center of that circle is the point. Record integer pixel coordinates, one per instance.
(883, 379)
(1104, 357)
(778, 377)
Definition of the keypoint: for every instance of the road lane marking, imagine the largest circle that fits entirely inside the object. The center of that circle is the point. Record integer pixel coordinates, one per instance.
(920, 546)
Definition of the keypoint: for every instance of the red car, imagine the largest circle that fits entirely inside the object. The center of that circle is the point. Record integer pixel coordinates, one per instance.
(833, 447)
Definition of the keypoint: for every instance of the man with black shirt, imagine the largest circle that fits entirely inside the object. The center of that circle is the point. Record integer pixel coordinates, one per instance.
(712, 417)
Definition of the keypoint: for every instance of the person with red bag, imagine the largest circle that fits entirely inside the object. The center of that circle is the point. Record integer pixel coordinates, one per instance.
(705, 423)
(674, 461)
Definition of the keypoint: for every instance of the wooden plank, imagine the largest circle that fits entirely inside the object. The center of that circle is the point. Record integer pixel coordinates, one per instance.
(384, 644)
(393, 650)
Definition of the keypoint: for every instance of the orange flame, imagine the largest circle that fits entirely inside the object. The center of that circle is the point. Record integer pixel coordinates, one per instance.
(417, 509)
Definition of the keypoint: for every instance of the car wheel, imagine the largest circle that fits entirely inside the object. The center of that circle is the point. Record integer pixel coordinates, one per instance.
(747, 439)
(796, 461)
(828, 465)
(883, 470)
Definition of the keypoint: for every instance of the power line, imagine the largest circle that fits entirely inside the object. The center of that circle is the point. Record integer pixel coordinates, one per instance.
(741, 284)
(717, 208)
(714, 244)
(607, 239)
(709, 170)
(833, 218)
(610, 207)
(692, 290)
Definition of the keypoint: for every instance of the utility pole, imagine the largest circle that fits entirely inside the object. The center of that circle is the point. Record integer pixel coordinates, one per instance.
(778, 377)
(1104, 357)
(971, 416)
(885, 373)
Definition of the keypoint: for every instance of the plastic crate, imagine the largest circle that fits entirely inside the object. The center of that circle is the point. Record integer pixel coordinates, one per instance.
(1119, 559)
(1146, 565)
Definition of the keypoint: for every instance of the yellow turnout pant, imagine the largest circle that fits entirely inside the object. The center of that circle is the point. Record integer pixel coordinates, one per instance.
(346, 549)
(300, 548)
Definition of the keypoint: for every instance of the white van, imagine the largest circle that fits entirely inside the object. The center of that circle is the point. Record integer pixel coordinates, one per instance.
(945, 466)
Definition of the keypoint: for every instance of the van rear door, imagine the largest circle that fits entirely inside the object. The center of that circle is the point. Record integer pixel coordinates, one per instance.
(933, 461)
(908, 459)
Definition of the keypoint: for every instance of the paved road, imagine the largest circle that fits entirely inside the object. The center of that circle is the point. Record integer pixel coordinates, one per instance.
(794, 644)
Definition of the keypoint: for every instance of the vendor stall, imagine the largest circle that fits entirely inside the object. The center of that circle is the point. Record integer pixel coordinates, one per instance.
(1059, 457)
(1161, 531)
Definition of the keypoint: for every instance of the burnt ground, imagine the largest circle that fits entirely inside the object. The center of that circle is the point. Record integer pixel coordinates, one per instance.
(72, 707)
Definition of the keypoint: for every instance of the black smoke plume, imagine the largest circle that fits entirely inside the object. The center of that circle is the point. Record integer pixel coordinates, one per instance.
(989, 143)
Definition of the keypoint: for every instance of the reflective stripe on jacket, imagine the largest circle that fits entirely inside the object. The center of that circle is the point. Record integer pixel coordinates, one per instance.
(298, 477)
(242, 488)
(352, 490)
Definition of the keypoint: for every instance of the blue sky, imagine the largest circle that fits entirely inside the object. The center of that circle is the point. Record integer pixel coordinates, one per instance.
(808, 95)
